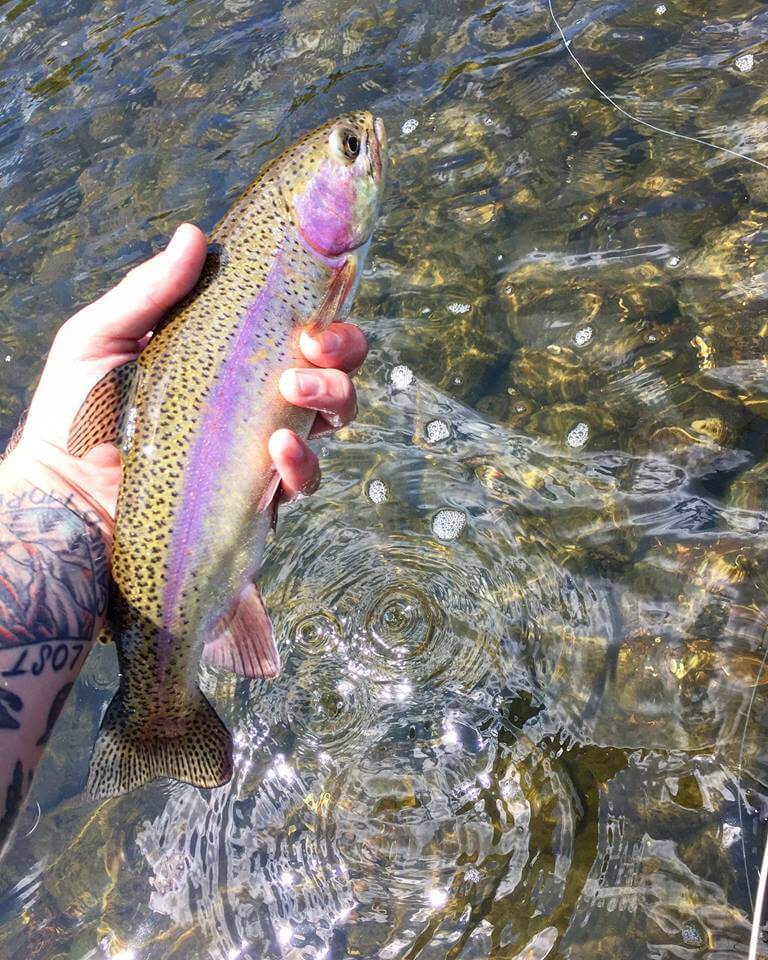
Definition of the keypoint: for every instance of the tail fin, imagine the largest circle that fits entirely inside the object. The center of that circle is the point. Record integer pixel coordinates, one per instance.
(123, 760)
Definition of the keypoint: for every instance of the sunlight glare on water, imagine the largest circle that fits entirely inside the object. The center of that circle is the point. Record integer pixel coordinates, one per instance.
(523, 620)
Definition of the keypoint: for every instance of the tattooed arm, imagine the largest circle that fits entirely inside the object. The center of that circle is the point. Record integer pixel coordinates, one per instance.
(53, 593)
(57, 511)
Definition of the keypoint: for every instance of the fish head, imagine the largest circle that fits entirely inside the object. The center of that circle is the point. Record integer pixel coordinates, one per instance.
(335, 180)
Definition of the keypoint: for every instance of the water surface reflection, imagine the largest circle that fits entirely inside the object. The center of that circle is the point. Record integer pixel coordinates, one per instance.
(523, 623)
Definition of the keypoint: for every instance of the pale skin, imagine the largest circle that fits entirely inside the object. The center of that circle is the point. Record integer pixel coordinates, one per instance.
(57, 512)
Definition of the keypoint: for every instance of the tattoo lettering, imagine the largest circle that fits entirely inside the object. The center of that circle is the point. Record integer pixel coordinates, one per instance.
(8, 722)
(13, 798)
(53, 714)
(53, 579)
(56, 656)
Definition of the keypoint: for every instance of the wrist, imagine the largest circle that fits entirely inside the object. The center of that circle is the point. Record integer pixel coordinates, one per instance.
(50, 475)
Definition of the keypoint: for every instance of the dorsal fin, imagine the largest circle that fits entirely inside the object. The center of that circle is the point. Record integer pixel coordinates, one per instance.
(101, 418)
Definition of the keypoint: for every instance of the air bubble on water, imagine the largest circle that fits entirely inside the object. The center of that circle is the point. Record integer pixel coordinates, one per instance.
(410, 125)
(448, 524)
(673, 261)
(287, 878)
(401, 376)
(745, 62)
(8, 358)
(457, 307)
(578, 436)
(437, 897)
(437, 430)
(377, 491)
(691, 936)
(583, 336)
(661, 9)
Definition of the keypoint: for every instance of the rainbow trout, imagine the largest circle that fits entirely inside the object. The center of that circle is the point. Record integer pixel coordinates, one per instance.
(192, 417)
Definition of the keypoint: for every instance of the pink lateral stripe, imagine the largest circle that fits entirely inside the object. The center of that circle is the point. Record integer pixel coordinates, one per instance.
(211, 449)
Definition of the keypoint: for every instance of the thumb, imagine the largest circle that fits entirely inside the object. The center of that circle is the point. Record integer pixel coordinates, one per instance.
(109, 332)
(132, 308)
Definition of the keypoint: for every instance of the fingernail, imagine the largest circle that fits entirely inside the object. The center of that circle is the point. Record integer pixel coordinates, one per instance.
(175, 241)
(309, 384)
(330, 342)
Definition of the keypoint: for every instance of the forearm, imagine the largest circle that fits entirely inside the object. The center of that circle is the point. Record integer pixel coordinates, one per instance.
(53, 595)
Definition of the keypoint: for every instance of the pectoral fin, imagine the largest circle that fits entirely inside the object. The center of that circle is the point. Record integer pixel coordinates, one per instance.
(341, 286)
(245, 644)
(101, 418)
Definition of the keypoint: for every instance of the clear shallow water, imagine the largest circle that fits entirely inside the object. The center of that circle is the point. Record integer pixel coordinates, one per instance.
(522, 623)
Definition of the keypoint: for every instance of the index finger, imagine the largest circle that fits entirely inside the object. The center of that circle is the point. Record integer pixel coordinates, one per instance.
(342, 346)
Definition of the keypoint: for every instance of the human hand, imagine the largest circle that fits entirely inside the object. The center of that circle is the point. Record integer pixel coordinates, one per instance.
(113, 330)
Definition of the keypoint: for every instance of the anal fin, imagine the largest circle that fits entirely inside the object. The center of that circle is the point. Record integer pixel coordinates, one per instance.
(101, 418)
(245, 644)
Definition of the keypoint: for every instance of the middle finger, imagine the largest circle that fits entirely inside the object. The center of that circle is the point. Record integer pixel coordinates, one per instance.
(328, 391)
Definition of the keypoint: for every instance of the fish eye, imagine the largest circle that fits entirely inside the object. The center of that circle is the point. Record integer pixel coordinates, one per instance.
(351, 145)
(346, 144)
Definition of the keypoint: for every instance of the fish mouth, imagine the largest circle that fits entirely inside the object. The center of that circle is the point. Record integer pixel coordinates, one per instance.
(376, 147)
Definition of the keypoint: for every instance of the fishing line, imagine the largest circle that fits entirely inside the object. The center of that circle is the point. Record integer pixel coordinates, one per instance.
(762, 885)
(741, 759)
(757, 907)
(758, 914)
(644, 123)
